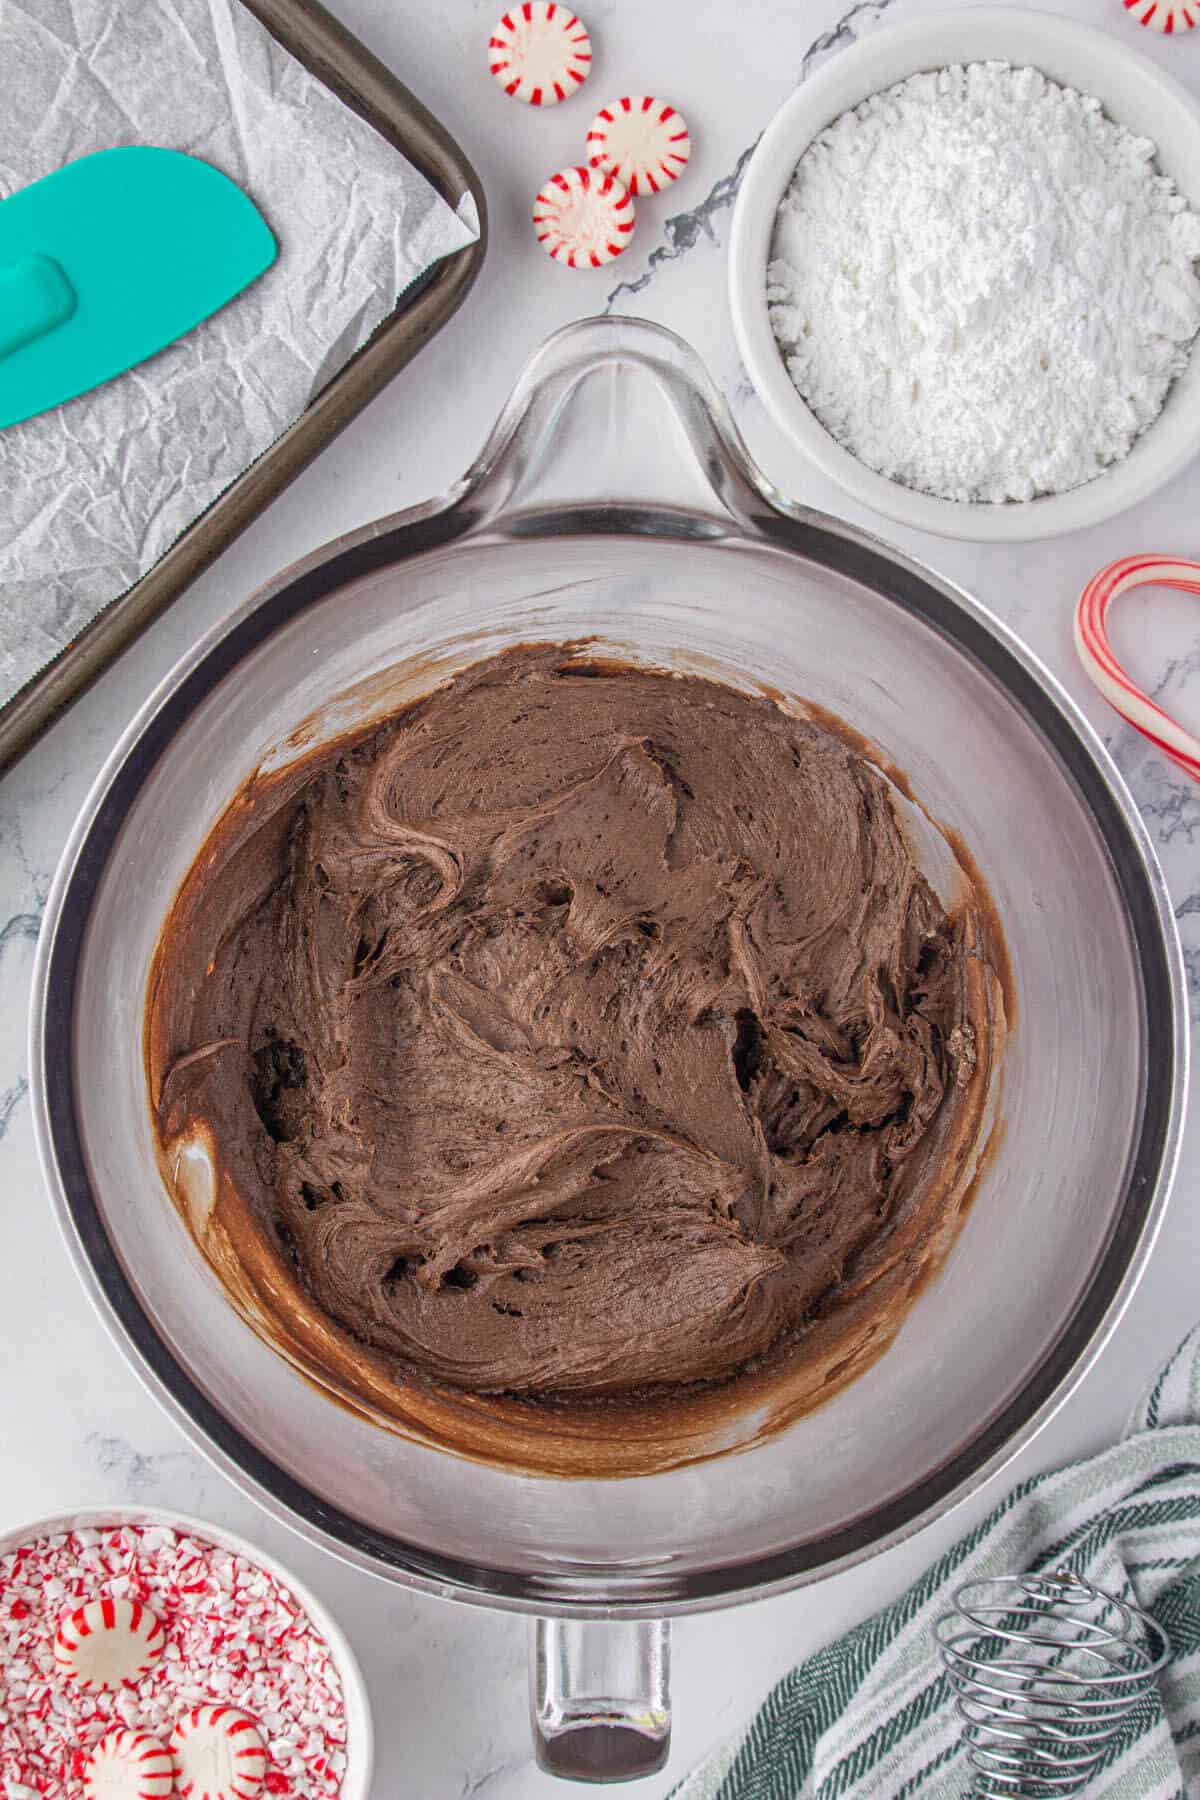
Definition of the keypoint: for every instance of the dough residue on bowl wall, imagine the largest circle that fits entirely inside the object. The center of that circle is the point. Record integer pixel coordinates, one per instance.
(587, 1063)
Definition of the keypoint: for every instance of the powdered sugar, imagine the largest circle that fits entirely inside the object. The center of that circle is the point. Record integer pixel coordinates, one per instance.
(982, 286)
(233, 1634)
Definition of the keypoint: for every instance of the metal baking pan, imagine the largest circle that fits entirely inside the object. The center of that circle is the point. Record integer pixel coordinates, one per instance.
(337, 58)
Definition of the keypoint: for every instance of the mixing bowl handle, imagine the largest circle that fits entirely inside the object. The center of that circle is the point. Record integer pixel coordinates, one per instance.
(600, 1696)
(615, 412)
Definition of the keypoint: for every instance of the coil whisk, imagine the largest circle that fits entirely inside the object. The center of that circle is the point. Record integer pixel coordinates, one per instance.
(1046, 1672)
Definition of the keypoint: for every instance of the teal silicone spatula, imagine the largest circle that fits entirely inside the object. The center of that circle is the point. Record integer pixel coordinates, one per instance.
(110, 259)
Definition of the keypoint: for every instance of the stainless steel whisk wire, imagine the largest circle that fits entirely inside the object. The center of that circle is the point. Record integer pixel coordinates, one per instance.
(1046, 1671)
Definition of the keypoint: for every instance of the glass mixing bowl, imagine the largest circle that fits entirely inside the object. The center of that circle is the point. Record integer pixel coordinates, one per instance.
(616, 501)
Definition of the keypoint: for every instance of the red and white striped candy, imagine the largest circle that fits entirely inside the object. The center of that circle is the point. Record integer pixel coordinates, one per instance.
(1163, 16)
(108, 1643)
(583, 217)
(128, 1765)
(540, 52)
(642, 141)
(219, 1754)
(1091, 641)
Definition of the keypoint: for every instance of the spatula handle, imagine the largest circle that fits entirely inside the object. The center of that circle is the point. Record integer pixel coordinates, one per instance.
(35, 297)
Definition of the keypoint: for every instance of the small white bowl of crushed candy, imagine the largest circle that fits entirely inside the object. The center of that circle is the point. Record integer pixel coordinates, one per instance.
(145, 1651)
(963, 273)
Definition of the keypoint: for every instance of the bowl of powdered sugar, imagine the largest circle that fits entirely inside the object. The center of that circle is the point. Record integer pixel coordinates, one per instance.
(965, 273)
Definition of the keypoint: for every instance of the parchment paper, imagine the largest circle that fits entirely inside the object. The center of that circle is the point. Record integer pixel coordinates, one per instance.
(93, 493)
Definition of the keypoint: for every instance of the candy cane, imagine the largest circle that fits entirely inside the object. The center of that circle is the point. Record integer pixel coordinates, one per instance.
(1096, 653)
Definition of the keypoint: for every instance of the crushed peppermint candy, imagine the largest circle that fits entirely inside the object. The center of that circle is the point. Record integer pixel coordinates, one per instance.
(233, 1634)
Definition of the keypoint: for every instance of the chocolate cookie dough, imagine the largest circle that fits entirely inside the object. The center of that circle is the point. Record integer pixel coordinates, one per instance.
(579, 1034)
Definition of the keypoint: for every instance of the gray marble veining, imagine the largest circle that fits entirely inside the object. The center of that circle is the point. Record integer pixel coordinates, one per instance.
(141, 1476)
(684, 230)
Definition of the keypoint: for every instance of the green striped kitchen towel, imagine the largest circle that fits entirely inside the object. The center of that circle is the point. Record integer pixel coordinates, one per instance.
(871, 1717)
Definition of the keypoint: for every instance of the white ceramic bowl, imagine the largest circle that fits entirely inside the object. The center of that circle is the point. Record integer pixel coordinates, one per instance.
(1133, 91)
(356, 1782)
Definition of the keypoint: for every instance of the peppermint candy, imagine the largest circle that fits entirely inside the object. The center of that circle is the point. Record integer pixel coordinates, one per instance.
(583, 218)
(108, 1643)
(1161, 16)
(128, 1765)
(233, 1634)
(540, 52)
(642, 141)
(219, 1754)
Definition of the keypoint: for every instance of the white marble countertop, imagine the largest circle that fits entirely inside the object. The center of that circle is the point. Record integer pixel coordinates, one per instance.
(448, 1682)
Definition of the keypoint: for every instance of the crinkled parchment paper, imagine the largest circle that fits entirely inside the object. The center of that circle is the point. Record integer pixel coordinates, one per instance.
(93, 493)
